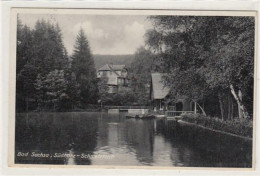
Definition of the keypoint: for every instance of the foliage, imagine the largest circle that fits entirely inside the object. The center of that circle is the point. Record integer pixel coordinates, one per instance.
(49, 52)
(72, 91)
(144, 63)
(40, 53)
(243, 127)
(103, 89)
(84, 69)
(180, 49)
(25, 71)
(209, 53)
(24, 44)
(51, 90)
(122, 98)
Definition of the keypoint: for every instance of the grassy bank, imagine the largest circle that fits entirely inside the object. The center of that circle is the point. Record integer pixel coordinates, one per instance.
(241, 127)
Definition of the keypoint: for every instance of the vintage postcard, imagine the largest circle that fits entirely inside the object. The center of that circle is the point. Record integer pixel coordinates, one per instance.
(132, 88)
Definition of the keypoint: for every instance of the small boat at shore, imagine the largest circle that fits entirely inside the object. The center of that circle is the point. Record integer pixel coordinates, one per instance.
(141, 116)
(113, 123)
(132, 116)
(160, 116)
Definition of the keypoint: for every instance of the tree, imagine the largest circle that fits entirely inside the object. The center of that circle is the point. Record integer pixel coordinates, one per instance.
(48, 48)
(144, 63)
(103, 89)
(213, 54)
(175, 39)
(51, 90)
(235, 66)
(84, 68)
(39, 52)
(72, 91)
(24, 69)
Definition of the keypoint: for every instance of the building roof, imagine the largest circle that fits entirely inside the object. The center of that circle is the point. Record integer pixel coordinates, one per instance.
(112, 67)
(159, 90)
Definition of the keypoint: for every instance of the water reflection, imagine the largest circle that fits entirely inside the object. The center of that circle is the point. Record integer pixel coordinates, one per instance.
(111, 139)
(70, 158)
(139, 135)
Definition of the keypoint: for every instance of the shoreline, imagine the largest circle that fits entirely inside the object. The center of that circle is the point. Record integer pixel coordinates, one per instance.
(214, 130)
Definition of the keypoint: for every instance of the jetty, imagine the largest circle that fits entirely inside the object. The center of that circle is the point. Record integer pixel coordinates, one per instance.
(130, 109)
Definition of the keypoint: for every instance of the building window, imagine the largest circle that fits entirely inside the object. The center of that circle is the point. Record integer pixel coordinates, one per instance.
(123, 73)
(112, 89)
(104, 73)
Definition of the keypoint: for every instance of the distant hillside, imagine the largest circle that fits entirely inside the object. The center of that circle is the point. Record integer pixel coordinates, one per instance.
(101, 60)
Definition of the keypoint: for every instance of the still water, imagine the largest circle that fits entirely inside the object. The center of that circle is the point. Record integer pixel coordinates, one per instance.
(94, 138)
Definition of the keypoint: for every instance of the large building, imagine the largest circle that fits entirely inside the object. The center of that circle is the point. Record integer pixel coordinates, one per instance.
(116, 77)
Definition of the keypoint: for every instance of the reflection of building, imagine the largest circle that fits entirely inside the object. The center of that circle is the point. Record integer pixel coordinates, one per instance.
(139, 135)
(160, 99)
(116, 77)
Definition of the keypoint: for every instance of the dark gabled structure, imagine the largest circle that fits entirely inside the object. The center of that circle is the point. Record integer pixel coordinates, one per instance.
(160, 99)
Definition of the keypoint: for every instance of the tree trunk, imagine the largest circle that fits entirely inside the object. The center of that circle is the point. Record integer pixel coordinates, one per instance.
(27, 104)
(202, 109)
(229, 108)
(221, 106)
(195, 108)
(232, 109)
(240, 113)
(241, 108)
(54, 106)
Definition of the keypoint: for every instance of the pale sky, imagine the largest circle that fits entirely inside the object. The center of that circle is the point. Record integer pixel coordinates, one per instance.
(107, 34)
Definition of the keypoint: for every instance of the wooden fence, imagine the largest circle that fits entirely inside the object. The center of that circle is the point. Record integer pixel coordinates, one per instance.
(127, 107)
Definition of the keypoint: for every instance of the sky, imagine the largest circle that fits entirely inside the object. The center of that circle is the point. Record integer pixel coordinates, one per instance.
(107, 34)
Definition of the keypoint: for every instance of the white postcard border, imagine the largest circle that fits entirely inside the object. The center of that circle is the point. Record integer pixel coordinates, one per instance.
(12, 97)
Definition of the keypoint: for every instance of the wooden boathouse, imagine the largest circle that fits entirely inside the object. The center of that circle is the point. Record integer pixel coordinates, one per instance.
(160, 99)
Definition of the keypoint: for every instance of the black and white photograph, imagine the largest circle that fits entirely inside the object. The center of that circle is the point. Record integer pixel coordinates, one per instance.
(142, 88)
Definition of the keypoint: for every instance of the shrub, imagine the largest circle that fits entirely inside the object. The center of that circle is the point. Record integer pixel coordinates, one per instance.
(241, 127)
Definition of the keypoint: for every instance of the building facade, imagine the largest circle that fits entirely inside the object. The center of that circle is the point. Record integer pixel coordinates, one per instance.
(117, 78)
(161, 101)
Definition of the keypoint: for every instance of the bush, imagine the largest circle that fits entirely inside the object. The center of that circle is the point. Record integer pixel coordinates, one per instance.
(241, 127)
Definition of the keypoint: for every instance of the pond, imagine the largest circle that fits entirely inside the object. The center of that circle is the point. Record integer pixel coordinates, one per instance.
(94, 138)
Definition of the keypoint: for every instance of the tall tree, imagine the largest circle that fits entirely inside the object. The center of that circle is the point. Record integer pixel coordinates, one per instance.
(50, 59)
(175, 39)
(48, 47)
(232, 61)
(84, 69)
(144, 63)
(39, 52)
(24, 70)
(72, 91)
